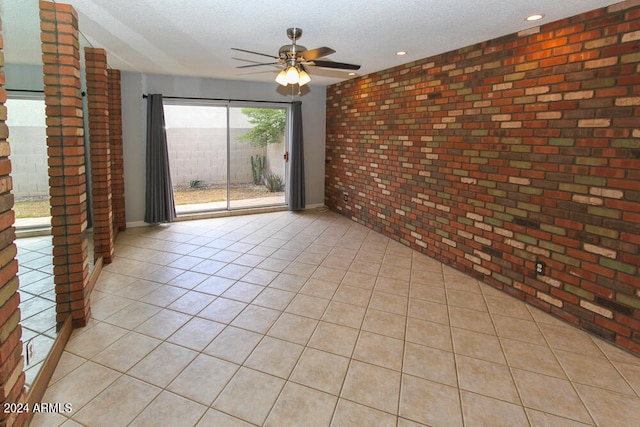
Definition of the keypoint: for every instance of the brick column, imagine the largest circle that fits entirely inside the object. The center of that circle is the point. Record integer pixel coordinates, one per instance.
(115, 137)
(100, 152)
(67, 175)
(11, 362)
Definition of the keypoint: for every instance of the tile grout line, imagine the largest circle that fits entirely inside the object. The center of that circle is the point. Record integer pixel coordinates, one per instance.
(306, 346)
(404, 342)
(557, 359)
(286, 380)
(126, 373)
(351, 357)
(179, 373)
(614, 363)
(453, 346)
(506, 359)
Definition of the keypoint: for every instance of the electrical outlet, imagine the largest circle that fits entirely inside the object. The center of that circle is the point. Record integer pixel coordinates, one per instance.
(540, 267)
(345, 197)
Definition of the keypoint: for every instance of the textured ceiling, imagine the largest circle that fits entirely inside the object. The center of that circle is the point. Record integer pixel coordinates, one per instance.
(194, 37)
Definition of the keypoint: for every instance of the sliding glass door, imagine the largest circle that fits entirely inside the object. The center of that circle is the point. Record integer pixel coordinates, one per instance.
(224, 156)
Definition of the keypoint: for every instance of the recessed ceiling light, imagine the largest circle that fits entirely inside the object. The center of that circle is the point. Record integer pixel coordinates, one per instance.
(536, 17)
(352, 73)
(401, 52)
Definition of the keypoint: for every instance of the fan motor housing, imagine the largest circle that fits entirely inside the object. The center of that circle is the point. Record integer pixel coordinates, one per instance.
(290, 50)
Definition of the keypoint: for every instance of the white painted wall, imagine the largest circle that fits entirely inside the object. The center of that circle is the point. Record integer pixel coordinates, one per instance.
(134, 124)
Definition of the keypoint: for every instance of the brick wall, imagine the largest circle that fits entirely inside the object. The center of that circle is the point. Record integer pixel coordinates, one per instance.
(115, 140)
(100, 152)
(520, 149)
(11, 362)
(67, 174)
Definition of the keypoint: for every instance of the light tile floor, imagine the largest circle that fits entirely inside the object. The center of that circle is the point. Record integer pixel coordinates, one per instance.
(309, 319)
(37, 300)
(37, 297)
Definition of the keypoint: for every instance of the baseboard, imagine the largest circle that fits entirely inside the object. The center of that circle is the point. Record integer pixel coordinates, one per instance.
(32, 232)
(314, 206)
(134, 224)
(93, 277)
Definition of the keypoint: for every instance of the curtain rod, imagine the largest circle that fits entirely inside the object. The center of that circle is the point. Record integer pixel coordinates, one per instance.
(144, 95)
(24, 90)
(83, 93)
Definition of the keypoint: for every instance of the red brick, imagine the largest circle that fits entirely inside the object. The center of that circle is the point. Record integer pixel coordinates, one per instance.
(11, 361)
(613, 326)
(97, 95)
(628, 344)
(65, 139)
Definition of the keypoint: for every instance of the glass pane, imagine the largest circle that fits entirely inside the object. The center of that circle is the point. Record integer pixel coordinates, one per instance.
(28, 140)
(197, 143)
(256, 157)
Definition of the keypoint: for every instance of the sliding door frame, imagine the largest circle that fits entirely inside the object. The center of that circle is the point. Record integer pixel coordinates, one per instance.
(234, 103)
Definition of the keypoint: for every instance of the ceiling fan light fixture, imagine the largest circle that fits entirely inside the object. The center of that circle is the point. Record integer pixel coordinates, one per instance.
(292, 75)
(303, 78)
(281, 78)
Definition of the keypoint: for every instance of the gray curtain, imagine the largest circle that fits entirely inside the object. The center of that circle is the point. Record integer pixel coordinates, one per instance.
(296, 161)
(159, 204)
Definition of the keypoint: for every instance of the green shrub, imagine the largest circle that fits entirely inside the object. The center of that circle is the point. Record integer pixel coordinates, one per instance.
(273, 182)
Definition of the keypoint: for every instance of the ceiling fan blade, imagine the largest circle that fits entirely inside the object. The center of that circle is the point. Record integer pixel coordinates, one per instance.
(255, 53)
(319, 52)
(339, 65)
(259, 65)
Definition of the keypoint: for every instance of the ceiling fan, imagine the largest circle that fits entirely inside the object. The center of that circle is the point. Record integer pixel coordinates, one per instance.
(295, 58)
